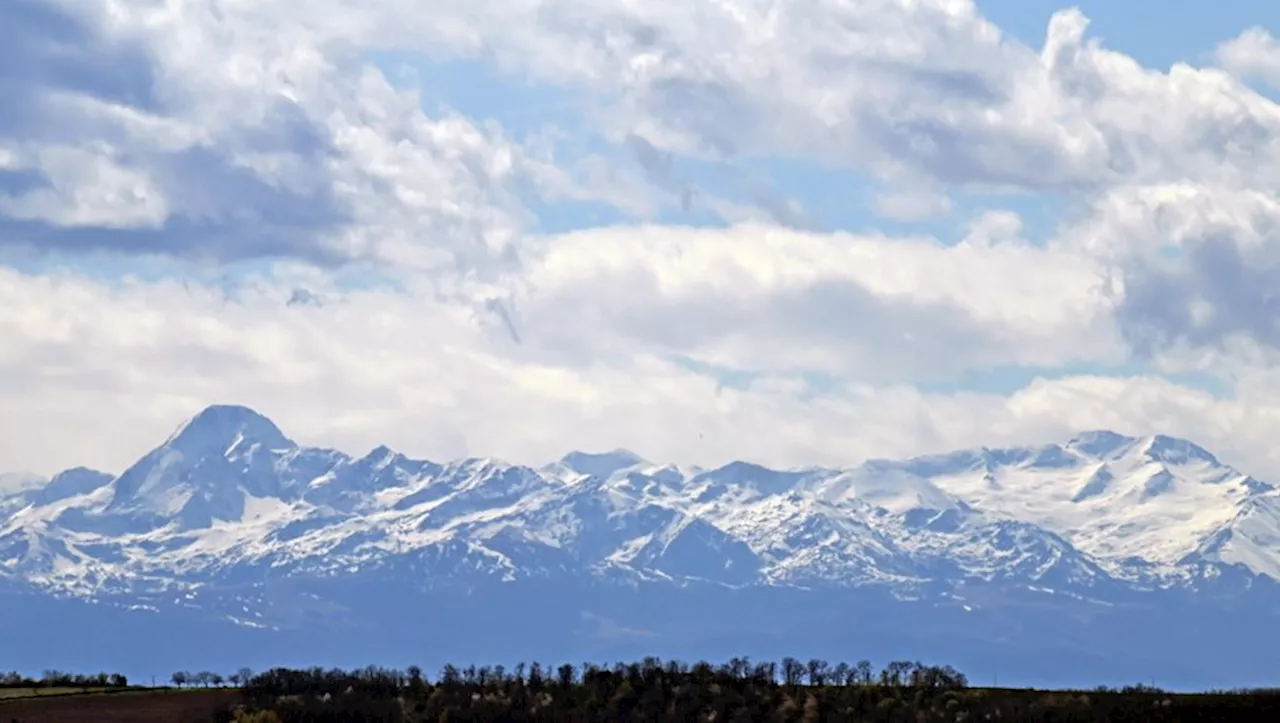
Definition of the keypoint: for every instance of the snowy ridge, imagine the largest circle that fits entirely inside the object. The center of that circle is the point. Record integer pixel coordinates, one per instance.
(229, 500)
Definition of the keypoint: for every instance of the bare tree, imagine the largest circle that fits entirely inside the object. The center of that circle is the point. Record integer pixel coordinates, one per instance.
(792, 671)
(843, 674)
(817, 672)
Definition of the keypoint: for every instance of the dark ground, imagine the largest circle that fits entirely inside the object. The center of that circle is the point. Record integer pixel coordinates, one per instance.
(148, 706)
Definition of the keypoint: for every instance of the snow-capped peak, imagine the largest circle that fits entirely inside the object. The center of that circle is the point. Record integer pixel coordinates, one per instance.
(1100, 444)
(206, 471)
(1103, 445)
(229, 486)
(1113, 496)
(71, 483)
(601, 464)
(1173, 450)
(223, 428)
(381, 457)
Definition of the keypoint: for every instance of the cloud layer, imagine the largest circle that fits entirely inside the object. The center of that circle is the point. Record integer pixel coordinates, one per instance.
(221, 201)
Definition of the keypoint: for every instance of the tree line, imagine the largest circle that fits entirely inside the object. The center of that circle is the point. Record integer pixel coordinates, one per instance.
(790, 691)
(208, 678)
(61, 679)
(733, 692)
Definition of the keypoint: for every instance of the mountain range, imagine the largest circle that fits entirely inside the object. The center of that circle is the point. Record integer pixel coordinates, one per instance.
(1098, 558)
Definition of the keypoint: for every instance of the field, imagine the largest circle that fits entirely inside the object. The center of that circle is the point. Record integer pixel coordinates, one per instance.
(650, 693)
(135, 706)
(41, 691)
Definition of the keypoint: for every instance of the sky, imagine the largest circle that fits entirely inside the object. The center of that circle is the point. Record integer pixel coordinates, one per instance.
(793, 232)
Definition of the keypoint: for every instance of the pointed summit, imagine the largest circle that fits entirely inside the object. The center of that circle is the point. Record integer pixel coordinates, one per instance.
(1173, 450)
(221, 428)
(204, 470)
(380, 457)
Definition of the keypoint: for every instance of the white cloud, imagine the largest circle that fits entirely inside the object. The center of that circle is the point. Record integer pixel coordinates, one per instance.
(1192, 266)
(918, 88)
(762, 299)
(86, 188)
(221, 130)
(1252, 54)
(100, 373)
(927, 88)
(230, 133)
(912, 205)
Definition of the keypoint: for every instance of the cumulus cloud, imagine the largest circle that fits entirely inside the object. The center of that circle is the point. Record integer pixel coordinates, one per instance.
(1192, 266)
(209, 136)
(927, 89)
(762, 299)
(1252, 54)
(217, 131)
(101, 372)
